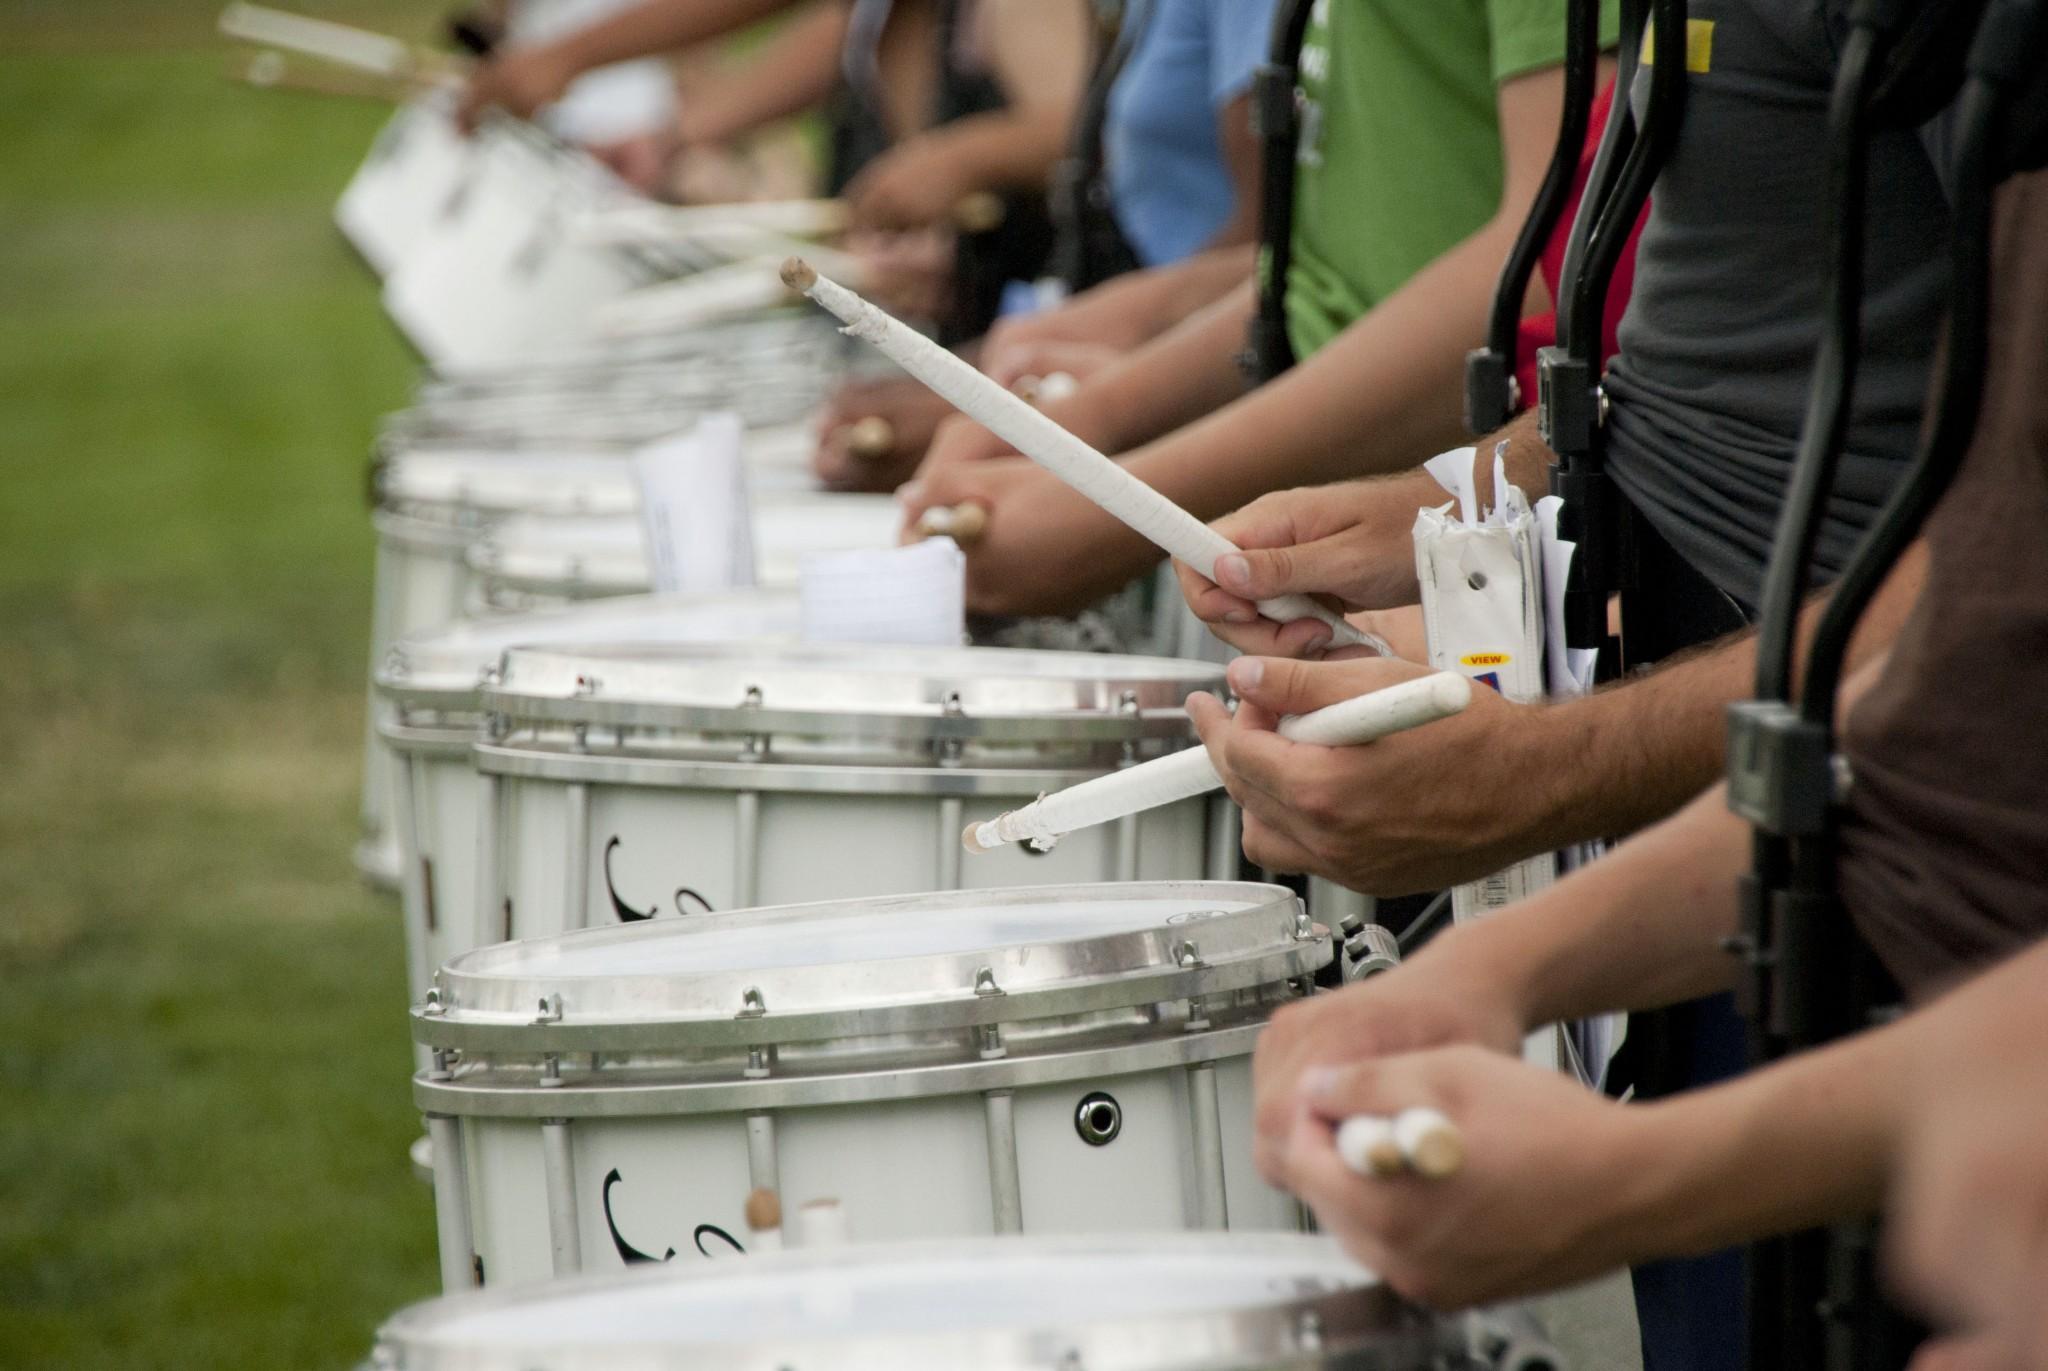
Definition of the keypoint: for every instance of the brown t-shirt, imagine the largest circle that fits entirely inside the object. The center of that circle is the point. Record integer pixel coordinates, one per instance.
(1944, 858)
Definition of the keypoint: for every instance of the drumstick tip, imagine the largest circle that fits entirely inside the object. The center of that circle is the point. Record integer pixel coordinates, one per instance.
(799, 275)
(763, 1210)
(970, 838)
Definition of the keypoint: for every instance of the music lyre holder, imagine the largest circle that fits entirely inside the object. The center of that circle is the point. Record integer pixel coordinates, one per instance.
(1571, 410)
(1814, 1299)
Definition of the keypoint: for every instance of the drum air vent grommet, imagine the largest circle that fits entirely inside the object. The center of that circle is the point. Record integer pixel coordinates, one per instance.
(1098, 1118)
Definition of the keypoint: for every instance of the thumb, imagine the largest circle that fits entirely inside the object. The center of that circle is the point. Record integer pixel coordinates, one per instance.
(1260, 573)
(1282, 685)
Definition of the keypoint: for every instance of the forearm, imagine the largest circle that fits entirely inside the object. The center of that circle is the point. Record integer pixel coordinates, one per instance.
(796, 71)
(1184, 373)
(1381, 394)
(1003, 150)
(1638, 929)
(1626, 755)
(1155, 299)
(1803, 1143)
(661, 26)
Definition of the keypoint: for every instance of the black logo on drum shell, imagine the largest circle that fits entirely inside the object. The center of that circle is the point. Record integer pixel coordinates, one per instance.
(628, 1253)
(633, 1256)
(628, 914)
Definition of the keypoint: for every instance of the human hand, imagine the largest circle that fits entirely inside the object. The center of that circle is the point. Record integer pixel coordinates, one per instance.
(1450, 801)
(908, 410)
(1540, 1200)
(1044, 549)
(1969, 1237)
(520, 81)
(914, 185)
(961, 442)
(641, 161)
(1437, 999)
(1010, 363)
(1349, 545)
(908, 274)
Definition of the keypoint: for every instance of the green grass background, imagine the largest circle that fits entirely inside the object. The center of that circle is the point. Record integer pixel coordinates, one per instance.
(202, 1029)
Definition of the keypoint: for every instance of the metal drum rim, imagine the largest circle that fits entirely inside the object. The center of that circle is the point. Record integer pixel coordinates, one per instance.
(1327, 1329)
(741, 697)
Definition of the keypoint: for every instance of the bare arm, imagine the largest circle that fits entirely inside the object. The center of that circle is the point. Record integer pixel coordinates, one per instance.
(1039, 54)
(794, 72)
(1386, 388)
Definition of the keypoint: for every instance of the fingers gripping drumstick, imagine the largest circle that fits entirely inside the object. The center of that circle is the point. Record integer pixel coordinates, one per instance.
(1419, 1140)
(1150, 514)
(1190, 772)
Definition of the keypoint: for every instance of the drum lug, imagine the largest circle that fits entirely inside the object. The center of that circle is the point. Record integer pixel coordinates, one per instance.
(1198, 1015)
(760, 1061)
(1308, 1331)
(992, 1048)
(550, 1011)
(551, 1070)
(949, 751)
(442, 1069)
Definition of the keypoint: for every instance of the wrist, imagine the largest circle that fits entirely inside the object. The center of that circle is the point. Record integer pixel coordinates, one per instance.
(1487, 969)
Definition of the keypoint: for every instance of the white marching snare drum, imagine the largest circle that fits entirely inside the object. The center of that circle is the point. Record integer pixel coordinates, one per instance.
(534, 562)
(429, 686)
(1181, 1302)
(1054, 1059)
(620, 782)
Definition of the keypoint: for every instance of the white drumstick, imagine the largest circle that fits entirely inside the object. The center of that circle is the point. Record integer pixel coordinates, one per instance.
(1420, 1140)
(1190, 772)
(1013, 419)
(337, 43)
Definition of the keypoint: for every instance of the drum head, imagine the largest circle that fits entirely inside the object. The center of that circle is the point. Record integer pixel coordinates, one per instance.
(1164, 1303)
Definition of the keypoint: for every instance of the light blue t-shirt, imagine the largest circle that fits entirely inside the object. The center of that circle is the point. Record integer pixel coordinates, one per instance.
(1167, 182)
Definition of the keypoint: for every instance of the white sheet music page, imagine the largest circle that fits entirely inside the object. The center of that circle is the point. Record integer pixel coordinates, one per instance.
(694, 508)
(915, 594)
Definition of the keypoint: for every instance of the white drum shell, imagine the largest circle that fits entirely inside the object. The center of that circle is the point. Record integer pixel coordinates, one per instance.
(630, 1118)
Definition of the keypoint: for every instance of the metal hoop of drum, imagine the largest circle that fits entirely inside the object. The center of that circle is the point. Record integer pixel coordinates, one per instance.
(1182, 1302)
(430, 685)
(1052, 1059)
(613, 777)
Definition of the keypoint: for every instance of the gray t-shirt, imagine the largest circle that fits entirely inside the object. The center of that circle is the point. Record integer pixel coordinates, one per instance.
(1717, 345)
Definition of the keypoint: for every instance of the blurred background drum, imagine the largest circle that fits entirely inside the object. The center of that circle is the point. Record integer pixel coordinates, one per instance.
(1056, 1059)
(430, 687)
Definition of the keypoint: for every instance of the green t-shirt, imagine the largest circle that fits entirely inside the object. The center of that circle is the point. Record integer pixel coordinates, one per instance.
(1400, 155)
